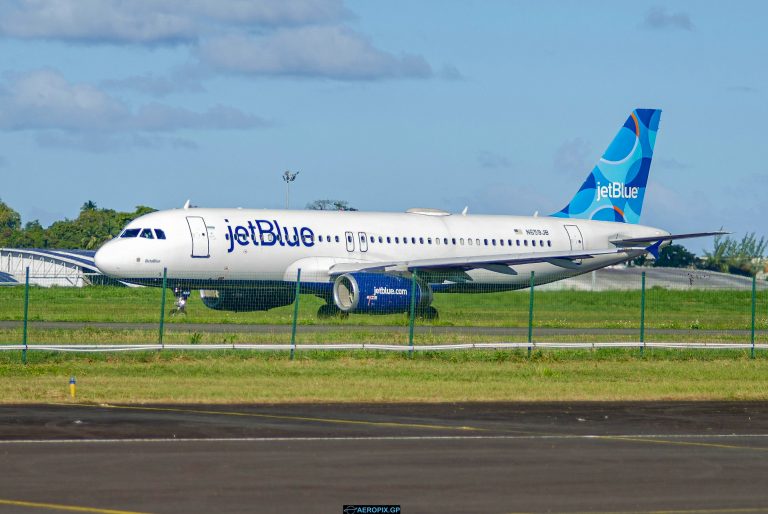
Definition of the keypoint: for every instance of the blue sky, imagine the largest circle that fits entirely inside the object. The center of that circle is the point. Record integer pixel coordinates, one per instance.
(501, 106)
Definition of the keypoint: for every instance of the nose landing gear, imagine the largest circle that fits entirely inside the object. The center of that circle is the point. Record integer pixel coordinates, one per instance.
(181, 301)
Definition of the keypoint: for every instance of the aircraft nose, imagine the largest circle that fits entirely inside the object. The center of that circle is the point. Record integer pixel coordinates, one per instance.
(107, 259)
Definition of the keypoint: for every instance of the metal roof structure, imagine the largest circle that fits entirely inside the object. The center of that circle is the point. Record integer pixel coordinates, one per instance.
(49, 267)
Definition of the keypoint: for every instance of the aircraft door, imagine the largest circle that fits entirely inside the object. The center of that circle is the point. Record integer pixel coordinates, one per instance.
(199, 233)
(350, 241)
(577, 242)
(363, 241)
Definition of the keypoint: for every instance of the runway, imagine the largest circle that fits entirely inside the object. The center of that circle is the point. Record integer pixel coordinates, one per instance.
(458, 458)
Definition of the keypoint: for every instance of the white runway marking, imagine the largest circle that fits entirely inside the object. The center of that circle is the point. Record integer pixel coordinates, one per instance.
(629, 437)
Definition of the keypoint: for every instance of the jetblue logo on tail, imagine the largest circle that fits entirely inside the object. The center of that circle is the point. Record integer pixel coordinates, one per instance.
(615, 189)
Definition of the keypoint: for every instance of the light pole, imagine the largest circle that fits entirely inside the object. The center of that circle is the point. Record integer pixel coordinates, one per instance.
(288, 177)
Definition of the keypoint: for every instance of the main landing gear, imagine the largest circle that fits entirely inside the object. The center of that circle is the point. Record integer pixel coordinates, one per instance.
(329, 310)
(428, 313)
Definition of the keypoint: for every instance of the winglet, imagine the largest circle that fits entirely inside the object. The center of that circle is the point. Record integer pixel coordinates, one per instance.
(654, 248)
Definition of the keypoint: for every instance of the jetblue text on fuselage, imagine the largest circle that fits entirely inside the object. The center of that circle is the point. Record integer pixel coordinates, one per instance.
(268, 233)
(616, 190)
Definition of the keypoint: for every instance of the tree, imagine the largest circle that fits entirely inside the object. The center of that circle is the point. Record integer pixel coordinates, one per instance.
(10, 223)
(330, 205)
(674, 256)
(88, 206)
(738, 257)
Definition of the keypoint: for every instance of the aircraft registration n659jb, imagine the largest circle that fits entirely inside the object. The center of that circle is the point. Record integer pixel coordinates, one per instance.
(364, 261)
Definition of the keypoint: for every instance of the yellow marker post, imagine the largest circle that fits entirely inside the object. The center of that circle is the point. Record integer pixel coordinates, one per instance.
(72, 385)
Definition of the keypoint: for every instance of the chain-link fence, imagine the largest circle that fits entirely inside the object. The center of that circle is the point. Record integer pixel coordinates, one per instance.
(628, 306)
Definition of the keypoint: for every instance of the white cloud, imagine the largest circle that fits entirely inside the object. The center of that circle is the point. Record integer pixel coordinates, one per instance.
(45, 100)
(156, 86)
(153, 21)
(574, 156)
(325, 51)
(490, 160)
(307, 38)
(658, 18)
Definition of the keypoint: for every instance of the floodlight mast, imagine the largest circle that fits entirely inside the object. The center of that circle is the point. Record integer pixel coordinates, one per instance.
(288, 177)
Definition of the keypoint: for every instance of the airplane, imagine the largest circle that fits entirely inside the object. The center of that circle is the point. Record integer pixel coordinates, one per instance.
(381, 263)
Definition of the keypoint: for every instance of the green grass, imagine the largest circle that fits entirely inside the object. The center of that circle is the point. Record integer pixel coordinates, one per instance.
(226, 377)
(673, 309)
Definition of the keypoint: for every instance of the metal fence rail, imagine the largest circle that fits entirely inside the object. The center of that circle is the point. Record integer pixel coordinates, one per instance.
(612, 308)
(95, 348)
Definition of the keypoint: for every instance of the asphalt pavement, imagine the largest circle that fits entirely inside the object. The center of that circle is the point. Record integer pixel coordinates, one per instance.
(458, 458)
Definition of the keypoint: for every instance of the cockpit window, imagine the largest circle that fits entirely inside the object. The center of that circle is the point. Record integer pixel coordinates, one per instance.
(130, 232)
(160, 234)
(146, 233)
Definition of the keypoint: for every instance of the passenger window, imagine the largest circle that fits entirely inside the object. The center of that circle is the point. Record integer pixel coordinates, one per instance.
(413, 240)
(405, 240)
(397, 240)
(525, 242)
(509, 242)
(477, 241)
(541, 242)
(429, 240)
(470, 242)
(389, 239)
(518, 242)
(159, 233)
(501, 242)
(549, 242)
(533, 242)
(461, 241)
(437, 240)
(421, 240)
(131, 232)
(337, 239)
(493, 242)
(146, 233)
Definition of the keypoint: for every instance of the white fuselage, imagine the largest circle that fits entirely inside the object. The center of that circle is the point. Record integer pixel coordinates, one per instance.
(234, 245)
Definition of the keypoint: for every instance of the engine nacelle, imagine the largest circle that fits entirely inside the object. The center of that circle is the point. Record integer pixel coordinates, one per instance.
(261, 298)
(376, 293)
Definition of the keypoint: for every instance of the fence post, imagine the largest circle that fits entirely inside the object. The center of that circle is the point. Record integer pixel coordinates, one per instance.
(754, 302)
(530, 313)
(642, 314)
(295, 312)
(26, 317)
(413, 313)
(162, 308)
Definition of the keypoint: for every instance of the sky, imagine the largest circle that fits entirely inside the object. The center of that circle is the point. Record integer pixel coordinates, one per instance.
(500, 106)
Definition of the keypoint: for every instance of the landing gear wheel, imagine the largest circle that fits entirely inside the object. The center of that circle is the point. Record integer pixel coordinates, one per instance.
(428, 313)
(329, 310)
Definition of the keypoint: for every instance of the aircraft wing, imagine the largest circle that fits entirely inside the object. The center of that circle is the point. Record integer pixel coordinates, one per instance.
(498, 263)
(634, 241)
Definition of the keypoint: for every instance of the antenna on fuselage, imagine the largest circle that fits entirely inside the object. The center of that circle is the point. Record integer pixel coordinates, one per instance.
(186, 205)
(464, 212)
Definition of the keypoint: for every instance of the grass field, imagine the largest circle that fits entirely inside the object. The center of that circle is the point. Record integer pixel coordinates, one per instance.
(673, 309)
(240, 376)
(372, 377)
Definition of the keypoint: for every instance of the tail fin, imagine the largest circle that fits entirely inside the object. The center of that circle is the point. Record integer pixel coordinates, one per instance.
(615, 189)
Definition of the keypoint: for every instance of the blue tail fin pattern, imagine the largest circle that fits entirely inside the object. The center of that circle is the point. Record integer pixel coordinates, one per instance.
(615, 189)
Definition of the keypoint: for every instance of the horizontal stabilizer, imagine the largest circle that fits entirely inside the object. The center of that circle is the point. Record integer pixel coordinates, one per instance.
(633, 241)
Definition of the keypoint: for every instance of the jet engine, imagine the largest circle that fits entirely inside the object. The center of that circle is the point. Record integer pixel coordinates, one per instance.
(377, 293)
